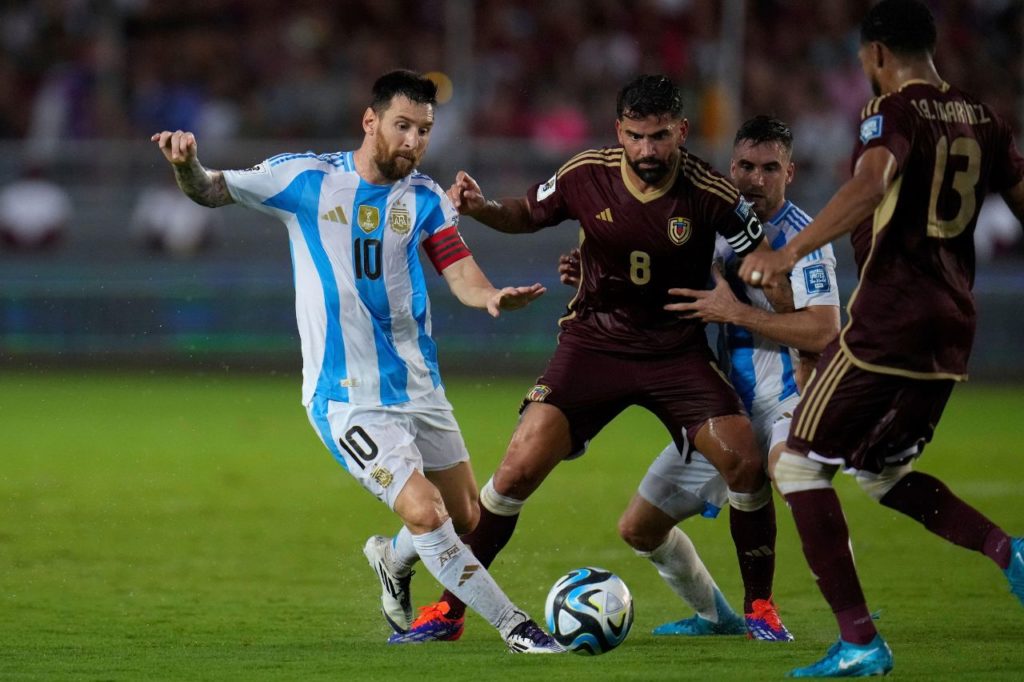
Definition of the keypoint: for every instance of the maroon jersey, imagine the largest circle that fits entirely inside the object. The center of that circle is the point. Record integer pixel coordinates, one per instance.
(635, 246)
(913, 312)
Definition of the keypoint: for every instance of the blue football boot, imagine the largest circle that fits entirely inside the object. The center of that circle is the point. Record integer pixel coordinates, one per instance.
(729, 623)
(844, 659)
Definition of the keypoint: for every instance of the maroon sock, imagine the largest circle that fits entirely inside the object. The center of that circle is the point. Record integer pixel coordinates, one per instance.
(826, 542)
(928, 501)
(753, 533)
(489, 537)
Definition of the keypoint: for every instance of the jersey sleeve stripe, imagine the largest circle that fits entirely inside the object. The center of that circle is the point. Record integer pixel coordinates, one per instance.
(598, 154)
(281, 158)
(731, 197)
(705, 180)
(690, 164)
(610, 161)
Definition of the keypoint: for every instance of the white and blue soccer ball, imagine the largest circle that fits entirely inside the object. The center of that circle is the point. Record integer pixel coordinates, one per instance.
(589, 611)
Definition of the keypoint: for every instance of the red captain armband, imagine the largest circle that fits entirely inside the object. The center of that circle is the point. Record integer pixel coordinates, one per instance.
(445, 247)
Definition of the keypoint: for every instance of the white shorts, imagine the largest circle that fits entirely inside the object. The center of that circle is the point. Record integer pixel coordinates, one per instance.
(683, 489)
(382, 445)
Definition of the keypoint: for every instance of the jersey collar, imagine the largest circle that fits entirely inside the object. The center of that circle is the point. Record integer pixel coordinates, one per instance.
(943, 86)
(661, 190)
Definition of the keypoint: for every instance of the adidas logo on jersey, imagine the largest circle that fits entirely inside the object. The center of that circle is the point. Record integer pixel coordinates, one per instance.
(335, 215)
(605, 215)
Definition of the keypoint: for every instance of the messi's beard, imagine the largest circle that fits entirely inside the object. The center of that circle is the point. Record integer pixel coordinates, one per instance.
(388, 164)
(390, 169)
(652, 174)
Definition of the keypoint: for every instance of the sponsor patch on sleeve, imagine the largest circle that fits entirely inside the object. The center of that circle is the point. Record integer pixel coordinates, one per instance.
(870, 128)
(816, 279)
(545, 190)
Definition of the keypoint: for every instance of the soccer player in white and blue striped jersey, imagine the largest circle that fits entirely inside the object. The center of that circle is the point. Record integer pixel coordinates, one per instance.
(371, 384)
(768, 354)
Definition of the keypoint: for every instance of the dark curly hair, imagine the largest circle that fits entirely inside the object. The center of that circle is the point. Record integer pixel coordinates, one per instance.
(649, 96)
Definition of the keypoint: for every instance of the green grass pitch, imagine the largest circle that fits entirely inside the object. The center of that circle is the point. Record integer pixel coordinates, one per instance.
(192, 527)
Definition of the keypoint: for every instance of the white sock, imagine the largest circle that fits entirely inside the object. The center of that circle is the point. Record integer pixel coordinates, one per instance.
(680, 567)
(404, 552)
(457, 568)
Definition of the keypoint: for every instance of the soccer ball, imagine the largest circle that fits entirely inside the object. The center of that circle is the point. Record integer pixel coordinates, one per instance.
(589, 611)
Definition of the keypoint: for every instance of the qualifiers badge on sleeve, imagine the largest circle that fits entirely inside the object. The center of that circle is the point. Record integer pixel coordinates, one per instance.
(545, 190)
(871, 128)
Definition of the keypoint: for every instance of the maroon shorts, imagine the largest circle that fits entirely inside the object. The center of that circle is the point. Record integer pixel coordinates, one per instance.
(865, 420)
(591, 387)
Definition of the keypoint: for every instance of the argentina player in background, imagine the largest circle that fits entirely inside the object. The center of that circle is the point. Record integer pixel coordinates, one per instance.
(767, 355)
(371, 384)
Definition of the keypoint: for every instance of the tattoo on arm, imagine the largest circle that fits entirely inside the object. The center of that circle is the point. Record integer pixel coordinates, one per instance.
(205, 187)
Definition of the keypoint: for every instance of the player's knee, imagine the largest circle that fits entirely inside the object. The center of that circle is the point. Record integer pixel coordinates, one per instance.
(795, 473)
(627, 530)
(745, 474)
(425, 516)
(465, 517)
(639, 536)
(878, 485)
(420, 506)
(632, 531)
(643, 526)
(729, 442)
(749, 502)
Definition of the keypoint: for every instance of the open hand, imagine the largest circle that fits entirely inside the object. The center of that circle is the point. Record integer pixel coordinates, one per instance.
(513, 298)
(715, 305)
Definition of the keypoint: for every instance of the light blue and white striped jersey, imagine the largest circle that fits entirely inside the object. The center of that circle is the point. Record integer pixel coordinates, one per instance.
(360, 296)
(760, 369)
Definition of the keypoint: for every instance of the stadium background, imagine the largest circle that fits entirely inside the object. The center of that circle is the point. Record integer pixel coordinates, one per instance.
(524, 85)
(165, 510)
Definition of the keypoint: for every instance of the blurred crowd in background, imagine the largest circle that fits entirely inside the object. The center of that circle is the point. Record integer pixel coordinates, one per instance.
(541, 70)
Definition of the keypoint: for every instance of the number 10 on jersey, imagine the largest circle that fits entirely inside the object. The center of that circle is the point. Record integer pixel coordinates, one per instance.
(367, 259)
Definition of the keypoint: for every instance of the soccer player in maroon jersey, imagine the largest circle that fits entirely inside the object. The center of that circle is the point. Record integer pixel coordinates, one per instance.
(649, 211)
(928, 154)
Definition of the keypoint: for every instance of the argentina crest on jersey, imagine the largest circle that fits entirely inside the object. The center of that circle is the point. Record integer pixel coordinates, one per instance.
(399, 219)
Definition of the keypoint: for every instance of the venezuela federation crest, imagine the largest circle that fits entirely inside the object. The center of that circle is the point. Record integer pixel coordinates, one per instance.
(679, 230)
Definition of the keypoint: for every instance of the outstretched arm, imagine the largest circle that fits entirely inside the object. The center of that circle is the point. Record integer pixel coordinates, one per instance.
(203, 186)
(851, 205)
(471, 286)
(808, 329)
(511, 215)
